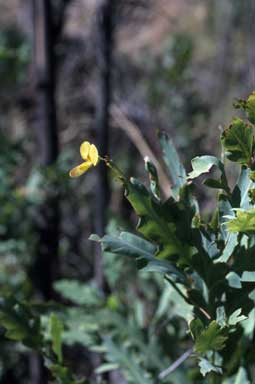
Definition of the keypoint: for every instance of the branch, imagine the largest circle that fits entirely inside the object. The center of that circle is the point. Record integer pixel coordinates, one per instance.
(175, 364)
(134, 134)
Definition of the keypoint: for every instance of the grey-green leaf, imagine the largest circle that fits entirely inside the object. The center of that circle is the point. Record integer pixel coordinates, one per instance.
(240, 378)
(206, 367)
(124, 359)
(248, 277)
(236, 317)
(202, 164)
(127, 244)
(234, 280)
(173, 163)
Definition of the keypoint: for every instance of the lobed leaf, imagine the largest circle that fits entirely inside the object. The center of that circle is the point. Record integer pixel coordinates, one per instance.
(156, 222)
(207, 367)
(244, 222)
(236, 317)
(122, 357)
(78, 293)
(211, 338)
(127, 244)
(238, 142)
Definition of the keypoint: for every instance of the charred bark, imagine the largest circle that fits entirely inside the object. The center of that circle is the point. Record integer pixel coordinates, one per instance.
(47, 30)
(105, 29)
(48, 23)
(47, 134)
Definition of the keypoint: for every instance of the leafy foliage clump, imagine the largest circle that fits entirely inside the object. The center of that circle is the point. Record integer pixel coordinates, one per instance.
(208, 261)
(196, 310)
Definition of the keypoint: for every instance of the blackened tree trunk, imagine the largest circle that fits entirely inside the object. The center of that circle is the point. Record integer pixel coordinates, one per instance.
(44, 64)
(47, 134)
(45, 266)
(105, 28)
(48, 21)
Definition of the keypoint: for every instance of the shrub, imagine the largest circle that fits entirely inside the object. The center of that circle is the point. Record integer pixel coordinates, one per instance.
(209, 261)
(206, 260)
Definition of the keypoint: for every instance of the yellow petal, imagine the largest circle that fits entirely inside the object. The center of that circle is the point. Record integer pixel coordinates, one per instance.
(84, 150)
(93, 154)
(80, 169)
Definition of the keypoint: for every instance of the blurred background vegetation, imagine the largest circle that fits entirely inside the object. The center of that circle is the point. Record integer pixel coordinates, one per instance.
(113, 73)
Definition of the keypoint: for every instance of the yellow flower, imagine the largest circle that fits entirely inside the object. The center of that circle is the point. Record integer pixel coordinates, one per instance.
(89, 153)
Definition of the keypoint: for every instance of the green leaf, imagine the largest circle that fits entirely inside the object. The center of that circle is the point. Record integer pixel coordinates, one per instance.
(251, 194)
(244, 222)
(173, 163)
(221, 316)
(252, 295)
(211, 338)
(212, 183)
(207, 367)
(236, 317)
(230, 245)
(56, 329)
(153, 176)
(123, 358)
(234, 280)
(209, 246)
(252, 176)
(240, 196)
(179, 307)
(127, 244)
(202, 164)
(107, 367)
(248, 106)
(248, 277)
(155, 222)
(81, 327)
(238, 142)
(244, 259)
(240, 378)
(196, 328)
(19, 322)
(78, 293)
(62, 374)
(162, 266)
(225, 209)
(248, 324)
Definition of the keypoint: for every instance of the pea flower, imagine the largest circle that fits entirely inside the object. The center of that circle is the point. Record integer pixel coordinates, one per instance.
(89, 153)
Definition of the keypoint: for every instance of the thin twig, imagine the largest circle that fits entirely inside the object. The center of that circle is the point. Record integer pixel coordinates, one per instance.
(133, 132)
(187, 299)
(175, 364)
(175, 286)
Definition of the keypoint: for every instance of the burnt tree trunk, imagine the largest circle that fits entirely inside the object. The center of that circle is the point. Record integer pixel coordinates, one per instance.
(105, 29)
(46, 32)
(47, 135)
